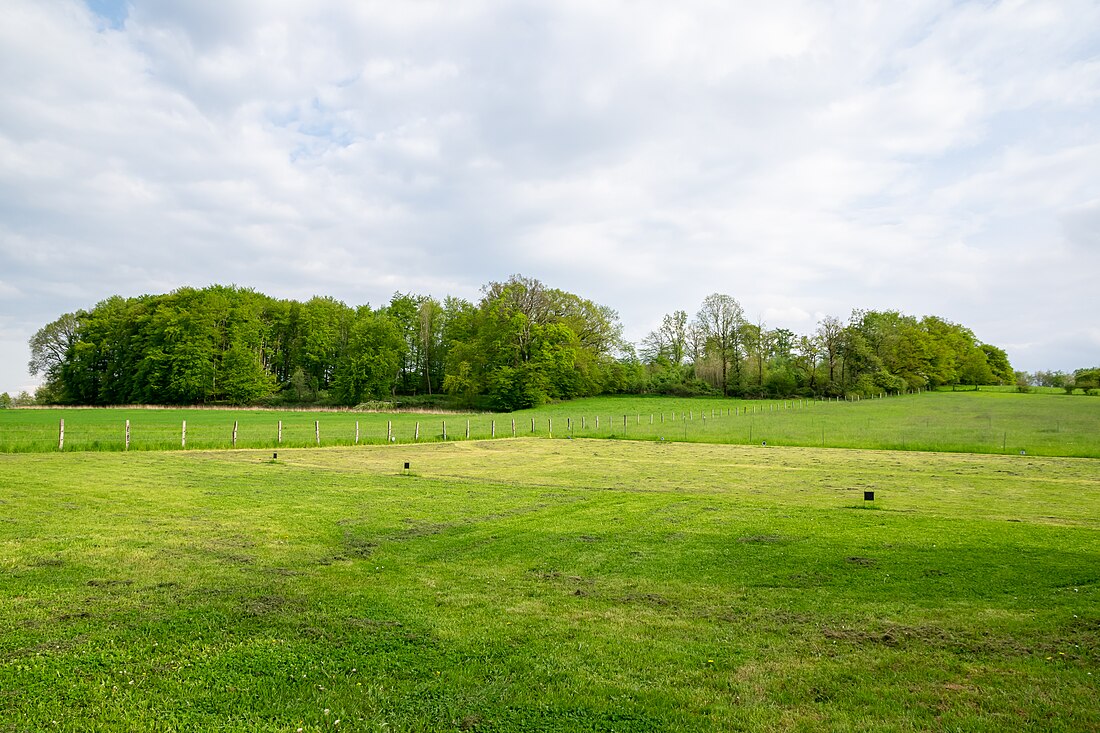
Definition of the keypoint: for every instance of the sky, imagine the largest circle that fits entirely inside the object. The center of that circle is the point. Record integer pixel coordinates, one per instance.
(805, 157)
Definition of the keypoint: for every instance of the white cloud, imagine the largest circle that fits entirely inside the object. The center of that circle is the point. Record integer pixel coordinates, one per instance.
(806, 158)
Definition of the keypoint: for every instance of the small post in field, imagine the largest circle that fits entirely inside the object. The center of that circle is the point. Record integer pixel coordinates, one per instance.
(183, 435)
(280, 431)
(493, 429)
(550, 427)
(357, 432)
(467, 429)
(234, 433)
(389, 431)
(444, 430)
(127, 435)
(584, 422)
(416, 431)
(317, 431)
(532, 425)
(513, 427)
(61, 435)
(597, 422)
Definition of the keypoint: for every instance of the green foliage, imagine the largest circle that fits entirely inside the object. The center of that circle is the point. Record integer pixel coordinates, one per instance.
(5, 401)
(1087, 380)
(522, 345)
(525, 344)
(370, 364)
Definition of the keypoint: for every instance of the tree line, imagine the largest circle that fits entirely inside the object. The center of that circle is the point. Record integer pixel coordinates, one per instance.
(521, 344)
(1087, 380)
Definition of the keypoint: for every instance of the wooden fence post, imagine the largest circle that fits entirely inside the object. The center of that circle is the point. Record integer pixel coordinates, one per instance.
(550, 427)
(416, 433)
(444, 430)
(493, 429)
(280, 432)
(357, 432)
(183, 435)
(127, 435)
(467, 429)
(317, 431)
(234, 433)
(61, 435)
(513, 427)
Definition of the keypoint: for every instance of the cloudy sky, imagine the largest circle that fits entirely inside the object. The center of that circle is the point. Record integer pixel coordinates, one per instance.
(806, 158)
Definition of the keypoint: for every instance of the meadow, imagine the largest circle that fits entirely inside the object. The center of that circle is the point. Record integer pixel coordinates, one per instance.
(549, 585)
(970, 422)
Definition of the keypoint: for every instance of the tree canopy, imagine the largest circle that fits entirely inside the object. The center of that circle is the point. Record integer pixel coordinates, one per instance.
(520, 345)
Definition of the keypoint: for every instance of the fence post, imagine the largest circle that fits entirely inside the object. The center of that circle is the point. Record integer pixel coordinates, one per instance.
(183, 435)
(127, 435)
(389, 431)
(532, 425)
(550, 427)
(234, 433)
(467, 429)
(513, 427)
(317, 431)
(493, 429)
(280, 432)
(61, 435)
(444, 430)
(416, 432)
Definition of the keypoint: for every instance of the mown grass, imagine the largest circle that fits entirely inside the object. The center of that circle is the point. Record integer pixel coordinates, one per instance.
(520, 585)
(971, 422)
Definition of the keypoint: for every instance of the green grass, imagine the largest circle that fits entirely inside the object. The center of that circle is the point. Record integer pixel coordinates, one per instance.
(548, 585)
(967, 422)
(962, 422)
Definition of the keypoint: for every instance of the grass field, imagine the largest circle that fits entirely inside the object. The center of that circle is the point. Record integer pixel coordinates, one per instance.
(970, 422)
(537, 585)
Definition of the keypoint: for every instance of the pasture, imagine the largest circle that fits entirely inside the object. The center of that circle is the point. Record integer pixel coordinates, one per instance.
(564, 585)
(965, 422)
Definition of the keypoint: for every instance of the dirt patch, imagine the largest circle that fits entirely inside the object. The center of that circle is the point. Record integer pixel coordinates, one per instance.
(864, 562)
(356, 546)
(265, 605)
(470, 722)
(857, 636)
